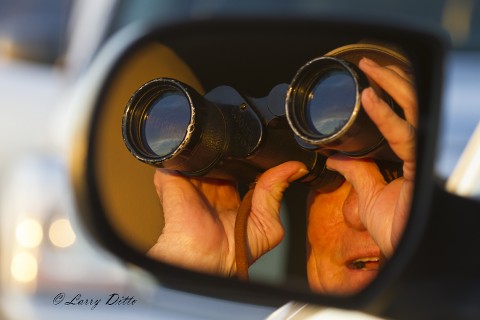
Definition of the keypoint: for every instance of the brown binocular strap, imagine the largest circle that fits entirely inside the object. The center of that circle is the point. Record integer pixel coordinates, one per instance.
(241, 238)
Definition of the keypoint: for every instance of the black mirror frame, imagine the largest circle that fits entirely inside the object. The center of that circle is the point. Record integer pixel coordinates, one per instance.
(429, 47)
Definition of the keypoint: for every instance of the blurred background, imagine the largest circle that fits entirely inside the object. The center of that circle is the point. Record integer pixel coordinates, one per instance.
(46, 45)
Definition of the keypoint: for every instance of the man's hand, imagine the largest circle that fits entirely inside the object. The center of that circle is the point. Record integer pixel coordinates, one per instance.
(200, 218)
(384, 208)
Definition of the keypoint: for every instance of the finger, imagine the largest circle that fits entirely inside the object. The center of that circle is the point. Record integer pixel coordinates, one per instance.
(170, 184)
(205, 193)
(405, 74)
(399, 133)
(400, 89)
(366, 180)
(271, 185)
(175, 192)
(362, 174)
(265, 229)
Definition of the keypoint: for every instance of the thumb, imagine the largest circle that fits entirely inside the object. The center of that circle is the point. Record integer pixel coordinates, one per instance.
(362, 174)
(265, 230)
(365, 178)
(376, 202)
(271, 185)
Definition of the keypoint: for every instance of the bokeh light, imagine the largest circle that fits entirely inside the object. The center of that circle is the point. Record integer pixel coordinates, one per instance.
(24, 267)
(29, 233)
(61, 233)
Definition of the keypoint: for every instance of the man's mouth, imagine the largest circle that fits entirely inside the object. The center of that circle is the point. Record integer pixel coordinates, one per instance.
(366, 264)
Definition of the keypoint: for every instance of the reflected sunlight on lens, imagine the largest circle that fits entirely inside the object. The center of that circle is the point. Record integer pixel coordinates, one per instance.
(61, 233)
(29, 233)
(24, 267)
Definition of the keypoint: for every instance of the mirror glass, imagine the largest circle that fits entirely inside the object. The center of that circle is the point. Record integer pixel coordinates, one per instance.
(334, 240)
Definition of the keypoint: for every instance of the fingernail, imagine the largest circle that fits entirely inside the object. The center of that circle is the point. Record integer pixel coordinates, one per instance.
(368, 62)
(299, 174)
(330, 169)
(370, 94)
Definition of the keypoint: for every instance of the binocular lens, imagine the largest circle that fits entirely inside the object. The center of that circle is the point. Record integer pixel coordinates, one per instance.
(323, 106)
(166, 122)
(330, 102)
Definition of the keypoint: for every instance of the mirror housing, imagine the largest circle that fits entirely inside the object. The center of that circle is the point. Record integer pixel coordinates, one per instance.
(242, 45)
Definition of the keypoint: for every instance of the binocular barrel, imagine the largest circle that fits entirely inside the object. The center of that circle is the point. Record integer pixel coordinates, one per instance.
(168, 124)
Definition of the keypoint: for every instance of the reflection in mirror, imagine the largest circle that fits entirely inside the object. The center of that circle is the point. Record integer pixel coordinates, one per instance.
(326, 146)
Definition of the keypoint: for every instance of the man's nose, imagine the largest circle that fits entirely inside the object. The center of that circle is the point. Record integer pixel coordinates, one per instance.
(350, 211)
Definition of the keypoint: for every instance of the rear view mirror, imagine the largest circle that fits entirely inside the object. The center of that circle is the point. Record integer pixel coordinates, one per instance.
(226, 101)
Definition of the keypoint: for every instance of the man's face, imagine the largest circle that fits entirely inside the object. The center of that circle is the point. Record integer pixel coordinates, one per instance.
(342, 257)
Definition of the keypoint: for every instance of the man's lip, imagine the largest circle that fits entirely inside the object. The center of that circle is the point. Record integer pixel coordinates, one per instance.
(363, 250)
(372, 263)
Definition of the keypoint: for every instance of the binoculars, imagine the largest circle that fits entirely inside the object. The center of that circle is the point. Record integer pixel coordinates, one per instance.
(227, 135)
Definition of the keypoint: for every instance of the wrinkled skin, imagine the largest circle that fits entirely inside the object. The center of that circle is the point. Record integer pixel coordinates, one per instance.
(364, 218)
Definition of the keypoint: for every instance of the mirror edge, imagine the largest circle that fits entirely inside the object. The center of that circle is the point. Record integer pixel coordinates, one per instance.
(429, 82)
